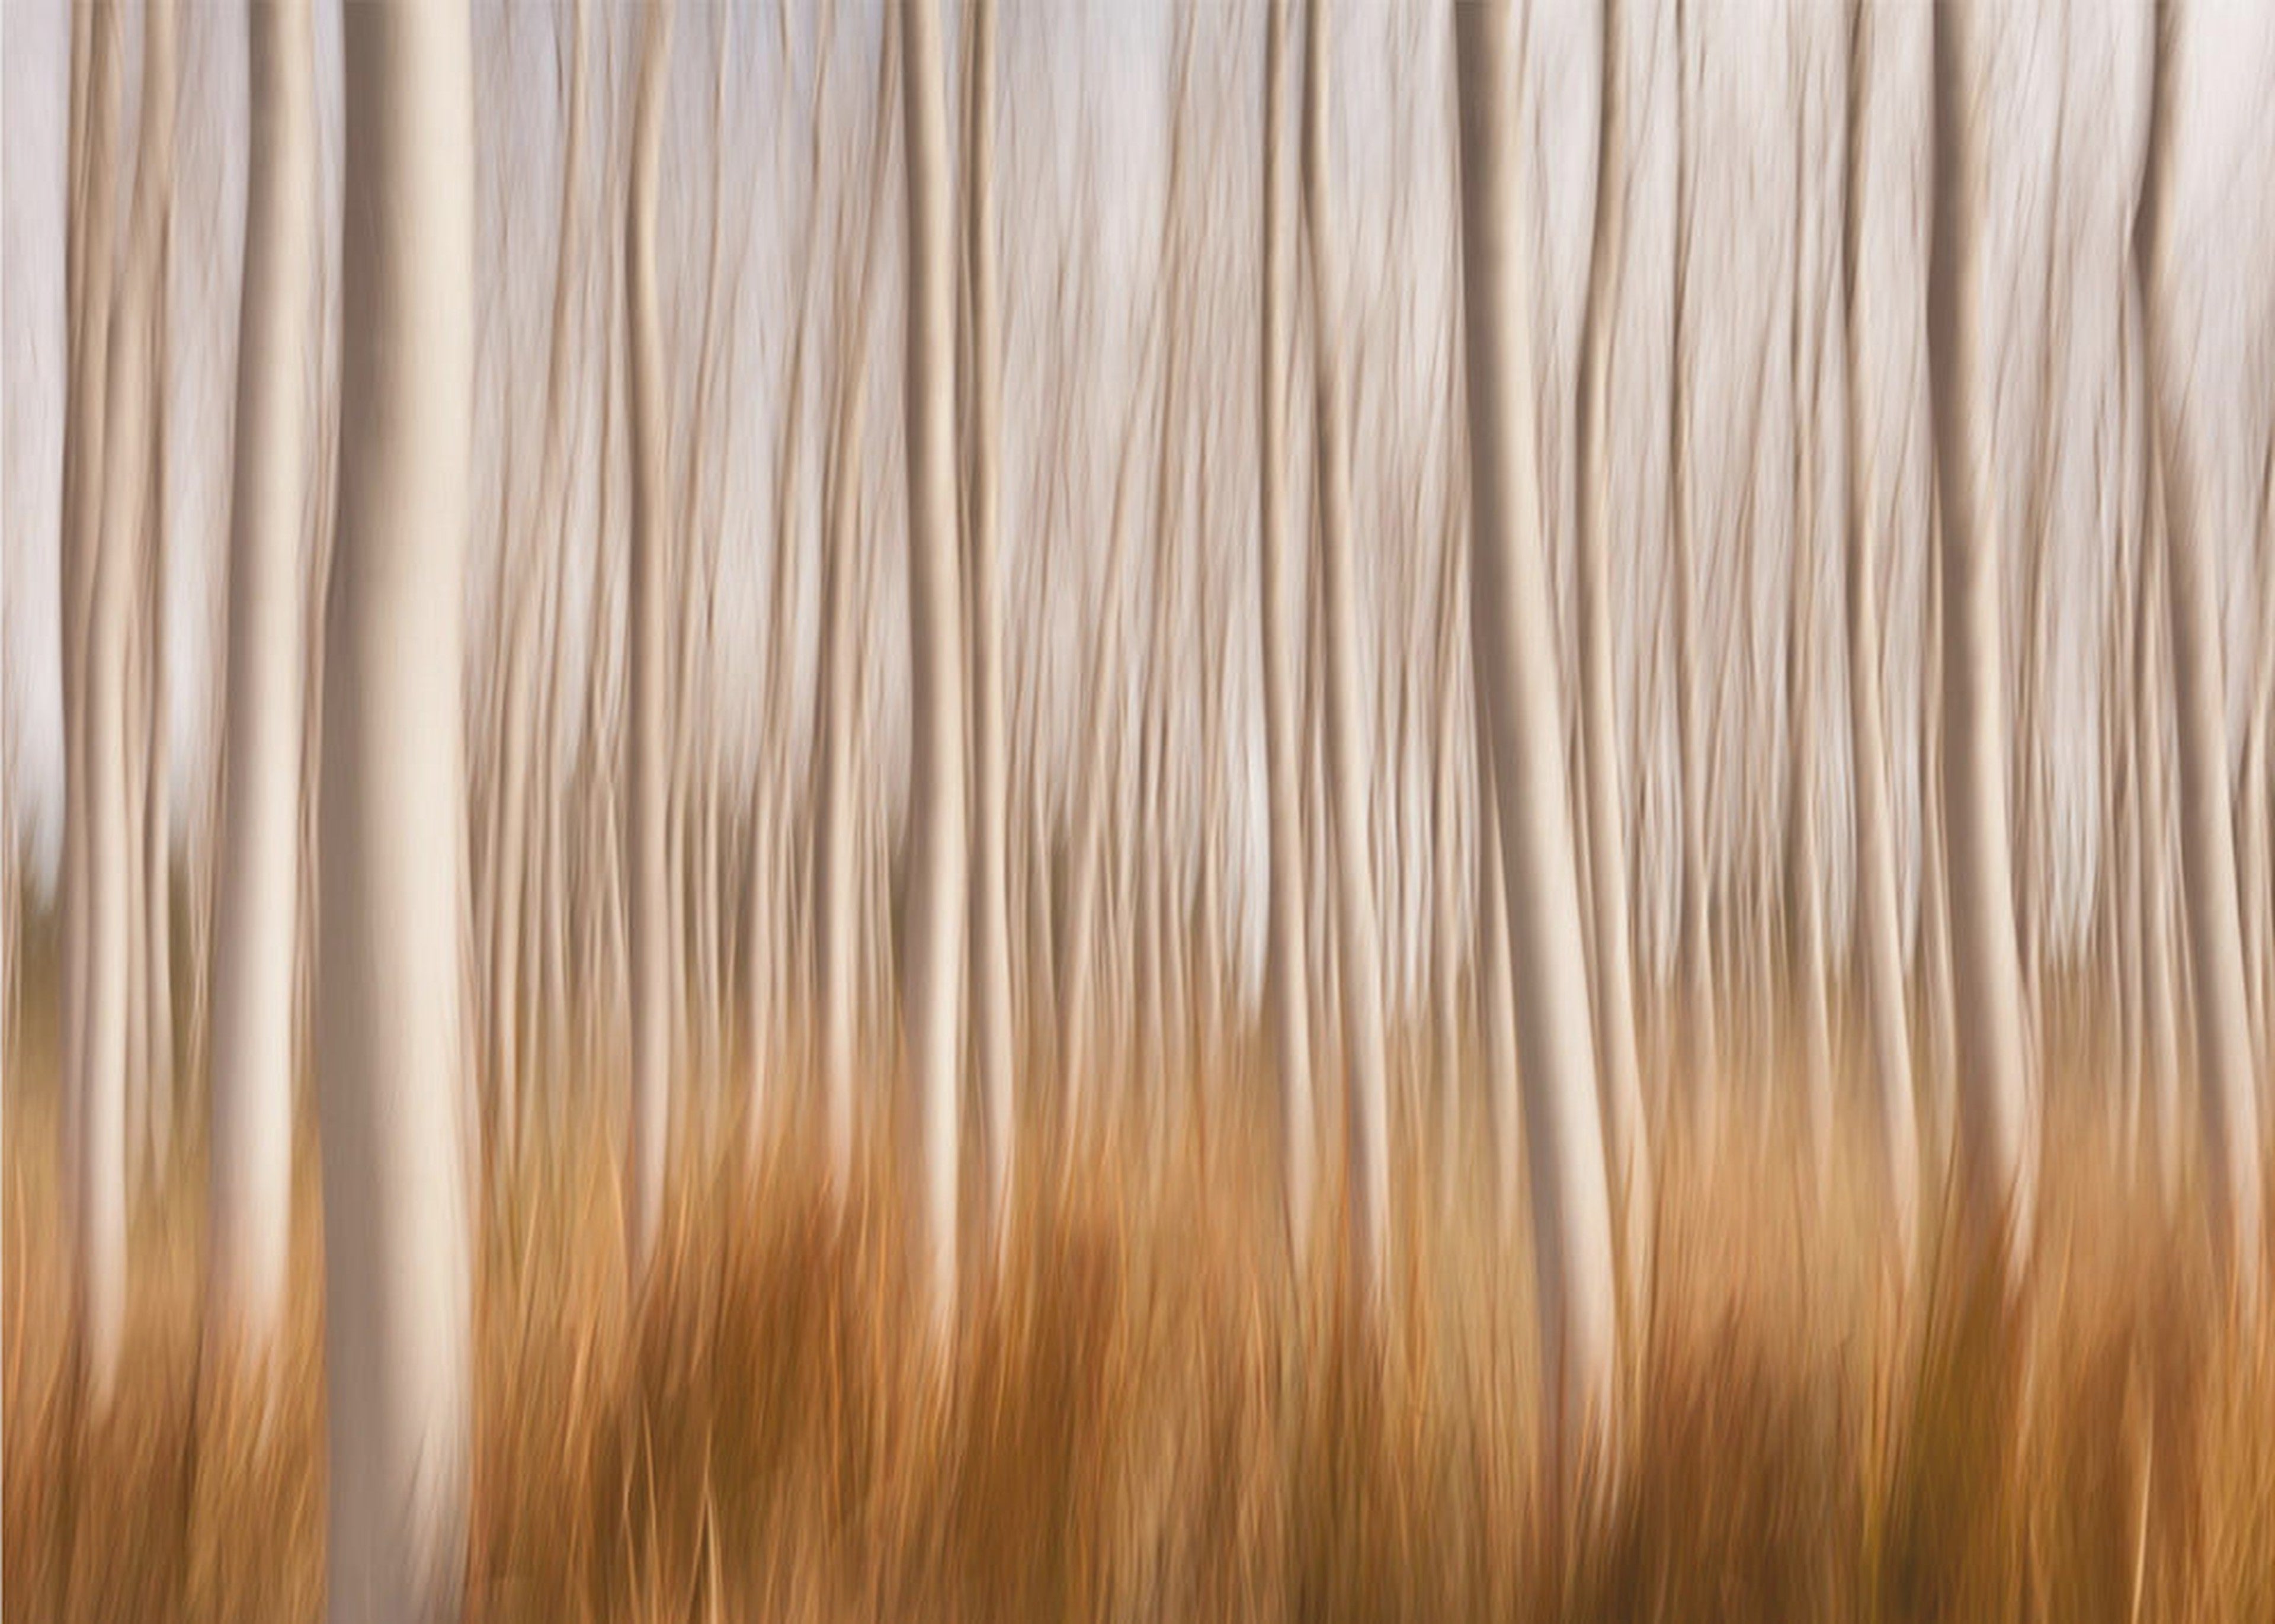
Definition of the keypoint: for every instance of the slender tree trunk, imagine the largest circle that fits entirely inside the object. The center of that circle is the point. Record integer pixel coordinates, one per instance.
(250, 1191)
(2228, 1096)
(1571, 1203)
(1366, 1101)
(1998, 1148)
(398, 1269)
(933, 984)
(991, 931)
(1625, 1130)
(92, 1049)
(1877, 924)
(649, 729)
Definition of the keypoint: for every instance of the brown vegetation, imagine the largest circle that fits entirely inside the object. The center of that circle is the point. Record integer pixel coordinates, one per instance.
(1143, 1419)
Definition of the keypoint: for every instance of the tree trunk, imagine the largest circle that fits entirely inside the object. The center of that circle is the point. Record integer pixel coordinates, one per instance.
(991, 931)
(1571, 1204)
(932, 988)
(1366, 1099)
(652, 877)
(2227, 1093)
(1878, 926)
(1997, 1135)
(392, 893)
(1613, 970)
(250, 1191)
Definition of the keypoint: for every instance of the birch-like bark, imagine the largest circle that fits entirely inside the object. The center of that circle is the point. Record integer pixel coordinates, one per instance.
(1366, 1089)
(251, 1132)
(1571, 1203)
(2227, 1095)
(1878, 928)
(648, 726)
(1613, 971)
(932, 982)
(392, 888)
(991, 930)
(1997, 1132)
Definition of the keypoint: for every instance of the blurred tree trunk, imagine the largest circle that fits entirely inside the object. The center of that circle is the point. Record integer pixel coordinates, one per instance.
(1366, 1101)
(991, 944)
(1997, 1132)
(1702, 1046)
(1625, 1131)
(1878, 925)
(648, 725)
(1571, 1204)
(2227, 1092)
(251, 1133)
(392, 887)
(95, 606)
(933, 984)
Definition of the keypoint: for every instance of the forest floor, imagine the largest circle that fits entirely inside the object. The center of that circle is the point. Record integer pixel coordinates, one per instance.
(1144, 1413)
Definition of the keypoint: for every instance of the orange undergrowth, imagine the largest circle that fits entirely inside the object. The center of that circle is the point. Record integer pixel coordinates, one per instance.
(1145, 1413)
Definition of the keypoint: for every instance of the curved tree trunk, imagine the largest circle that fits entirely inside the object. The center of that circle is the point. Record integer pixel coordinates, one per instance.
(250, 1179)
(652, 877)
(1571, 1203)
(1366, 1096)
(1998, 1136)
(1629, 1142)
(1878, 926)
(932, 985)
(392, 893)
(2227, 1094)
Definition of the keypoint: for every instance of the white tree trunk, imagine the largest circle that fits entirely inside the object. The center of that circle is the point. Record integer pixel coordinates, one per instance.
(931, 984)
(1366, 1092)
(1621, 1078)
(1997, 1131)
(1571, 1203)
(1878, 922)
(2227, 1094)
(251, 1133)
(991, 930)
(1287, 980)
(391, 891)
(652, 876)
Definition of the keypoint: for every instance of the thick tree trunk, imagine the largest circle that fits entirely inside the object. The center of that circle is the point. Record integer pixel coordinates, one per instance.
(392, 892)
(250, 1188)
(649, 732)
(1571, 1203)
(1366, 1092)
(932, 982)
(1997, 1132)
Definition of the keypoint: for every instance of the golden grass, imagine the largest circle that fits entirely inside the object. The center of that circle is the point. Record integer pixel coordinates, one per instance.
(1144, 1416)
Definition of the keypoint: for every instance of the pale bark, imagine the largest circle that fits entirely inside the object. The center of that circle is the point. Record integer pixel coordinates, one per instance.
(991, 931)
(2227, 1096)
(1997, 1131)
(1613, 972)
(648, 726)
(933, 981)
(392, 887)
(1571, 1203)
(94, 1051)
(1365, 1095)
(251, 1133)
(1878, 925)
